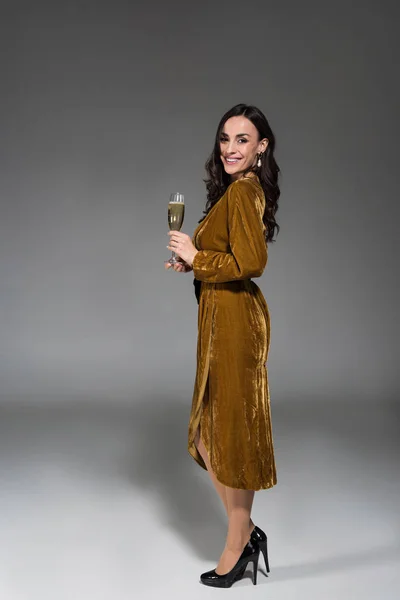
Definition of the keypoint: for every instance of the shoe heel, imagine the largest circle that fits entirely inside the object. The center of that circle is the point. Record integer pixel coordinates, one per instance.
(255, 569)
(263, 548)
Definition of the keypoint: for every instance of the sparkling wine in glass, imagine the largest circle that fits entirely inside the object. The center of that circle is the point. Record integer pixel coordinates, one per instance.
(176, 213)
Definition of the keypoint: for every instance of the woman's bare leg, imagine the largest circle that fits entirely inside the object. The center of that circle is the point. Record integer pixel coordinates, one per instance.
(240, 503)
(221, 489)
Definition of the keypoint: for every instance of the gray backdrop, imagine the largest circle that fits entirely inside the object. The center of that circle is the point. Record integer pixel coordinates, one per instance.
(108, 107)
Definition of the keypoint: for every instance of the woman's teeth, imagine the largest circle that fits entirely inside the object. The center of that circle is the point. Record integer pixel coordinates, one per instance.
(232, 160)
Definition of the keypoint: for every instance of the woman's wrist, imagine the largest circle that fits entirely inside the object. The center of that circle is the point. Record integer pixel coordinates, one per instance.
(192, 258)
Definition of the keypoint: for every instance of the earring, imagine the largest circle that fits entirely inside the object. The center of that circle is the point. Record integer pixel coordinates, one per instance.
(259, 160)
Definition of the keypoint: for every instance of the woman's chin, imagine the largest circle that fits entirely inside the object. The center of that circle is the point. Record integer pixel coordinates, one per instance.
(232, 171)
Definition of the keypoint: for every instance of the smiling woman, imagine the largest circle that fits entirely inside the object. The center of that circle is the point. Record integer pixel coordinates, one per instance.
(244, 145)
(238, 149)
(230, 429)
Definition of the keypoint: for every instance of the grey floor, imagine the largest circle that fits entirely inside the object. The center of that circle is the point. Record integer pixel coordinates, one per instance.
(104, 503)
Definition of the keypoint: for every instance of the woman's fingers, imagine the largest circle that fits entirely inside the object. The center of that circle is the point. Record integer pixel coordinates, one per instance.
(179, 267)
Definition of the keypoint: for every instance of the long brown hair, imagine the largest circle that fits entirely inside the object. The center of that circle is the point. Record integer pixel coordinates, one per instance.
(218, 180)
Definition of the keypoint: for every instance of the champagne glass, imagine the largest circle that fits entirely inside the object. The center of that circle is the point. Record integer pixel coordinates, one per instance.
(176, 213)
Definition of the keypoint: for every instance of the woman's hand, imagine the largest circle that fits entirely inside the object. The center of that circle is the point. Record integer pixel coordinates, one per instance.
(181, 244)
(181, 267)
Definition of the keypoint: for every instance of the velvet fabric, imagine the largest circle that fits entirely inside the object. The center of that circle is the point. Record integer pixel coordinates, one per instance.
(231, 400)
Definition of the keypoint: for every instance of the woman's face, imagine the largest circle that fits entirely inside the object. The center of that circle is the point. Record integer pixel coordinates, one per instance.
(239, 146)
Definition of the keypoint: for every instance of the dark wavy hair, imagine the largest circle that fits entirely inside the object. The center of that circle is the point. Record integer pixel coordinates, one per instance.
(218, 180)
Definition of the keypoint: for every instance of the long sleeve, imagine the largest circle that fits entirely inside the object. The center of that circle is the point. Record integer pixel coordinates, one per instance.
(248, 249)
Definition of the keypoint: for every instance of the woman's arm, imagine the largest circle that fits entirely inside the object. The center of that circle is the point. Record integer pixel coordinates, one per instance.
(249, 254)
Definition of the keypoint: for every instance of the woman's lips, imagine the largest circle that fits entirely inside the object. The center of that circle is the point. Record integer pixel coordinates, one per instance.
(232, 161)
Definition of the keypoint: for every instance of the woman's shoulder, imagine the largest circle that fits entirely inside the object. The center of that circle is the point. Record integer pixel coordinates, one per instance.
(246, 186)
(245, 183)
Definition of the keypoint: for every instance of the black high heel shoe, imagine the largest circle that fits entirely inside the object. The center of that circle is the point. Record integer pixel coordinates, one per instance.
(258, 537)
(250, 553)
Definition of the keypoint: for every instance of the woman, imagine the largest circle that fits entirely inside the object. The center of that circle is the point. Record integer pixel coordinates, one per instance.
(230, 432)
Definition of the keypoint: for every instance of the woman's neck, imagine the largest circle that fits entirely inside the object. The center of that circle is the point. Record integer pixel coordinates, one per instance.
(251, 175)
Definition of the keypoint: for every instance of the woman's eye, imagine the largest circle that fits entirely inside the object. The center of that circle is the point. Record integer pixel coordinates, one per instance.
(242, 140)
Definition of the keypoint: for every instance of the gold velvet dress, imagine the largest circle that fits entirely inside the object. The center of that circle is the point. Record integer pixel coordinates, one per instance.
(231, 400)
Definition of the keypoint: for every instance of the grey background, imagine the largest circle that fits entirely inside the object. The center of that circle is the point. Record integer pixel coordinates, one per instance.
(107, 108)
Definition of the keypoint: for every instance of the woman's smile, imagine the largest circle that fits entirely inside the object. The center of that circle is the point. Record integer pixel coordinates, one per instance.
(231, 161)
